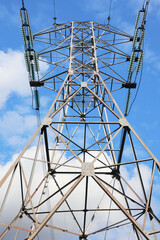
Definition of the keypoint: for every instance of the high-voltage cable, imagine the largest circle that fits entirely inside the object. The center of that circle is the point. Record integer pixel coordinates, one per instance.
(109, 13)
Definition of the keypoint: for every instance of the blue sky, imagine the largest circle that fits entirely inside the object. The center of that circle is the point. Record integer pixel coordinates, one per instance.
(18, 120)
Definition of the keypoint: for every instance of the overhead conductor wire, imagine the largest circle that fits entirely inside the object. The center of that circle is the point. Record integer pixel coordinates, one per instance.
(54, 11)
(109, 13)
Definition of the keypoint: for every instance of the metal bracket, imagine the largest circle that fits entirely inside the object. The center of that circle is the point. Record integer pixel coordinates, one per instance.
(47, 121)
(36, 83)
(83, 84)
(129, 85)
(87, 169)
(123, 122)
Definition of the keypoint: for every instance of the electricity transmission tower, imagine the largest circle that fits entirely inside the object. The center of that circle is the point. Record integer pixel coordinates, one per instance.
(85, 173)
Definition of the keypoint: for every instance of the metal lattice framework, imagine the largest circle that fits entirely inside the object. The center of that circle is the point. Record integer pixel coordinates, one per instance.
(85, 173)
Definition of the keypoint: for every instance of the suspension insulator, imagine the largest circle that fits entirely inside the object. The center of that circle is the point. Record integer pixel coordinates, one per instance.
(37, 102)
(127, 102)
(36, 63)
(27, 61)
(131, 63)
(143, 19)
(32, 72)
(137, 20)
(135, 37)
(27, 18)
(139, 63)
(21, 16)
(30, 35)
(141, 39)
(24, 35)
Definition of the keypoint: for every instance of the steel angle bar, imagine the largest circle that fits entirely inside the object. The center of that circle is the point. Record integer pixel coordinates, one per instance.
(86, 122)
(100, 140)
(109, 50)
(116, 105)
(112, 155)
(56, 98)
(66, 148)
(57, 75)
(85, 206)
(111, 139)
(8, 189)
(17, 230)
(106, 64)
(65, 102)
(132, 189)
(125, 41)
(8, 228)
(126, 163)
(116, 225)
(97, 143)
(145, 146)
(76, 156)
(46, 219)
(57, 63)
(149, 196)
(12, 226)
(138, 169)
(34, 165)
(53, 163)
(129, 210)
(121, 52)
(37, 188)
(106, 74)
(70, 210)
(61, 229)
(116, 115)
(19, 157)
(69, 140)
(29, 196)
(154, 232)
(126, 213)
(119, 32)
(42, 78)
(96, 210)
(122, 194)
(122, 143)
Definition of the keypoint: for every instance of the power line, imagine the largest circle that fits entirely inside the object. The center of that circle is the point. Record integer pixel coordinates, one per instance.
(54, 11)
(109, 13)
(23, 4)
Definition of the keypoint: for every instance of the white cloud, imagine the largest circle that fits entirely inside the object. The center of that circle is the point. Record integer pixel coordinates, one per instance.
(43, 67)
(13, 75)
(15, 128)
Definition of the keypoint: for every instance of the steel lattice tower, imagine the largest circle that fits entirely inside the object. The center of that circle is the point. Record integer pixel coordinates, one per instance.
(81, 174)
